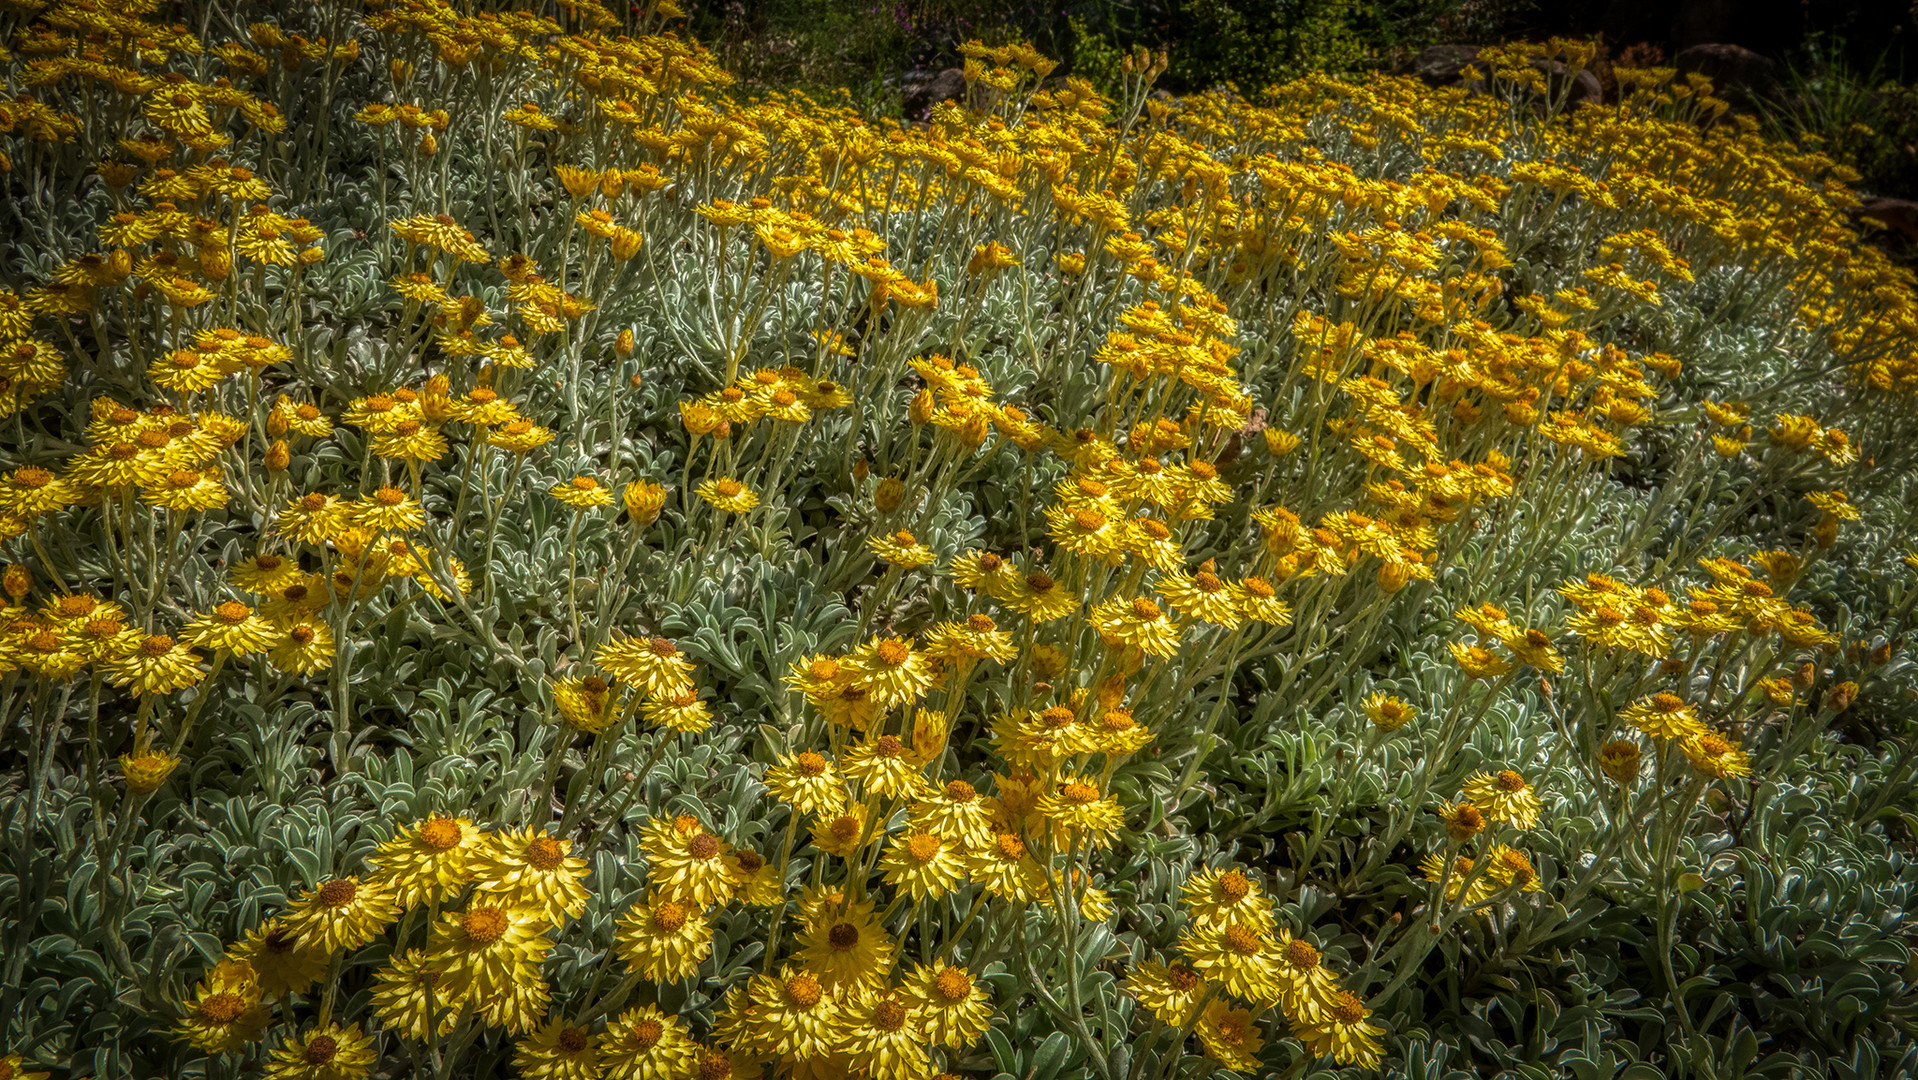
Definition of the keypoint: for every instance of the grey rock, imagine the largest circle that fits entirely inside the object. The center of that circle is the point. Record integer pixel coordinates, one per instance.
(947, 85)
(1898, 215)
(1738, 74)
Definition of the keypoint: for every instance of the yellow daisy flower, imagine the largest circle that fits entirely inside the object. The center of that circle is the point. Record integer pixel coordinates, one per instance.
(428, 862)
(664, 940)
(728, 495)
(530, 870)
(582, 493)
(324, 1053)
(924, 864)
(955, 1010)
(558, 1051)
(343, 913)
(1504, 798)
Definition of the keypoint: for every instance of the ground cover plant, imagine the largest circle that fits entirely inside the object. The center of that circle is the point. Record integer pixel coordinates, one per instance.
(521, 561)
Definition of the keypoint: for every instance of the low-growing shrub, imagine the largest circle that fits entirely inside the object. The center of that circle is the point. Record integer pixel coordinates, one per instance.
(521, 559)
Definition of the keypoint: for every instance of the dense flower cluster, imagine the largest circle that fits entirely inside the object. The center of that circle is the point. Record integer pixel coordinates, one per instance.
(1106, 445)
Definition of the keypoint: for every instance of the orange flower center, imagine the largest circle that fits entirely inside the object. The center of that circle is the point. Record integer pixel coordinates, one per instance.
(1145, 610)
(222, 1008)
(321, 1050)
(669, 916)
(647, 1033)
(1234, 886)
(894, 651)
(389, 496)
(1347, 1009)
(545, 853)
(485, 924)
(888, 746)
(811, 764)
(1300, 954)
(1510, 782)
(961, 792)
(572, 1040)
(703, 846)
(232, 613)
(156, 646)
(843, 936)
(1241, 941)
(981, 624)
(440, 833)
(953, 985)
(889, 1014)
(923, 847)
(1078, 794)
(804, 990)
(1183, 979)
(728, 488)
(339, 891)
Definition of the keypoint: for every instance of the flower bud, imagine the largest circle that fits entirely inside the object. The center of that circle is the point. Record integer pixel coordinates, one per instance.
(1825, 533)
(148, 771)
(1047, 662)
(312, 255)
(644, 500)
(1619, 760)
(623, 344)
(920, 411)
(1393, 576)
(216, 263)
(1805, 676)
(860, 470)
(18, 580)
(1280, 443)
(973, 435)
(429, 145)
(276, 423)
(278, 457)
(890, 493)
(1462, 822)
(399, 70)
(625, 244)
(1842, 696)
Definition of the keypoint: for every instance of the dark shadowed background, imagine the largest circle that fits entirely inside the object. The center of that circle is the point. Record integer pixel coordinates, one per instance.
(1837, 72)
